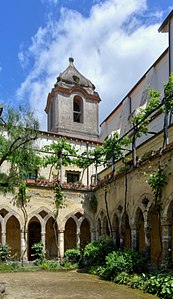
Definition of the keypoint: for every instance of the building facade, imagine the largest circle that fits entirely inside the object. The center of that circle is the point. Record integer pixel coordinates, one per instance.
(126, 208)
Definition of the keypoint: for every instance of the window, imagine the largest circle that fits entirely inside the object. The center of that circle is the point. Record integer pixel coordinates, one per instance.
(73, 177)
(77, 109)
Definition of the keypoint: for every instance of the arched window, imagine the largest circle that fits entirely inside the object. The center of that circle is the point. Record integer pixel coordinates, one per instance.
(77, 109)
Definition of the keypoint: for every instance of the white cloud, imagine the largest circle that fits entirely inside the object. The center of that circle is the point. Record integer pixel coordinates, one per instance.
(106, 47)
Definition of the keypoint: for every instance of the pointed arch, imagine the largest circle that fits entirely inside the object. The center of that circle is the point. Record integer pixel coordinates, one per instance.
(13, 236)
(70, 234)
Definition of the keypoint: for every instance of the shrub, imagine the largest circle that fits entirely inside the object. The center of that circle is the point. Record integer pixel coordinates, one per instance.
(72, 255)
(127, 261)
(39, 253)
(160, 284)
(95, 252)
(5, 252)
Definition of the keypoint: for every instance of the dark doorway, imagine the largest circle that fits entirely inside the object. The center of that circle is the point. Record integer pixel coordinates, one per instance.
(34, 230)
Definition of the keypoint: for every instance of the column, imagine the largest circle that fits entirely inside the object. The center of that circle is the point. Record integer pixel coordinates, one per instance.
(93, 234)
(23, 235)
(3, 233)
(78, 238)
(166, 245)
(61, 243)
(147, 231)
(135, 239)
(43, 239)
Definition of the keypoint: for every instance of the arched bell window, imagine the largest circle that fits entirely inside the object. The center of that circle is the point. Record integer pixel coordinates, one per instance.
(77, 109)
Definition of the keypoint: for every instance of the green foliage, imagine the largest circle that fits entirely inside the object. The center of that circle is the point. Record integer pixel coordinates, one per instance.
(5, 252)
(57, 150)
(21, 198)
(168, 91)
(39, 253)
(113, 147)
(72, 255)
(160, 284)
(95, 252)
(157, 181)
(59, 197)
(16, 140)
(128, 261)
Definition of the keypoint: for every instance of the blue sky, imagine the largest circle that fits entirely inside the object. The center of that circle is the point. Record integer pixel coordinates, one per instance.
(106, 38)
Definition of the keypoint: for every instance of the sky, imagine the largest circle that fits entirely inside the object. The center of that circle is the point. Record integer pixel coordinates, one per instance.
(113, 43)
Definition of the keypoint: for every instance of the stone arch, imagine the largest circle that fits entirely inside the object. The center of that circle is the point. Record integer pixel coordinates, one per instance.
(34, 235)
(78, 109)
(51, 238)
(70, 234)
(62, 223)
(13, 235)
(168, 204)
(126, 231)
(144, 203)
(140, 233)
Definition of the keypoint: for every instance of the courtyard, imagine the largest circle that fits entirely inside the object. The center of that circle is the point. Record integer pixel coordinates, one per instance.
(57, 285)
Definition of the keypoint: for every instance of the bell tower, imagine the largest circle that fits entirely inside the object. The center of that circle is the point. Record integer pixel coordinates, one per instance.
(72, 105)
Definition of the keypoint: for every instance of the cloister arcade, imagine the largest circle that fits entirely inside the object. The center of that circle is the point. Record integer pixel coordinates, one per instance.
(74, 231)
(142, 229)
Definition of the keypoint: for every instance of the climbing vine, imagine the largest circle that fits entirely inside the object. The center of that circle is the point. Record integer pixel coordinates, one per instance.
(157, 180)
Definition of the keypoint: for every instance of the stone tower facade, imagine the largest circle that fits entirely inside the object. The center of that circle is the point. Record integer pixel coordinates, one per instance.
(72, 105)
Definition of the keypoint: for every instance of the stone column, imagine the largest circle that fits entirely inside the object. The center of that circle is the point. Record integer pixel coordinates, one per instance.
(93, 235)
(23, 236)
(78, 238)
(3, 237)
(43, 239)
(147, 231)
(135, 239)
(166, 245)
(61, 243)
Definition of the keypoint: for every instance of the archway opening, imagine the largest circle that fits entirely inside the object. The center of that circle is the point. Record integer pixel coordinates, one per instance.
(126, 231)
(70, 234)
(51, 239)
(106, 230)
(155, 239)
(99, 228)
(13, 236)
(140, 230)
(78, 109)
(85, 235)
(116, 234)
(34, 236)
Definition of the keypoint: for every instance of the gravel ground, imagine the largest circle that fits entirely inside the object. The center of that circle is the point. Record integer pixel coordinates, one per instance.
(61, 285)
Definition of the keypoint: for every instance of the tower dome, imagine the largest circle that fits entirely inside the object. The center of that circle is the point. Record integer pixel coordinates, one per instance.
(71, 76)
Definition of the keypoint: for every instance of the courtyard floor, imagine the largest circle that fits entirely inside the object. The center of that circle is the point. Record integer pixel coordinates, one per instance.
(57, 285)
